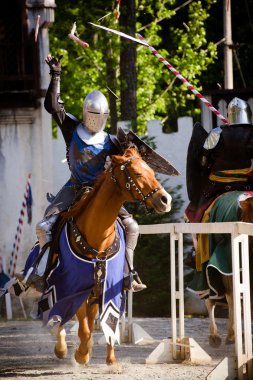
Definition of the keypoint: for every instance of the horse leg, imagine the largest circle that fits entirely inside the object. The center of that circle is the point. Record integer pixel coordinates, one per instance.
(60, 348)
(214, 337)
(230, 339)
(227, 281)
(110, 355)
(82, 353)
(92, 312)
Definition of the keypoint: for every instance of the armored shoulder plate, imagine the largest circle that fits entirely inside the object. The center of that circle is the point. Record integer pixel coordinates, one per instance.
(212, 139)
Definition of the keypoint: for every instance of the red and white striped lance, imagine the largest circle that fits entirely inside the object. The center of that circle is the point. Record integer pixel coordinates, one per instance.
(15, 248)
(184, 81)
(117, 11)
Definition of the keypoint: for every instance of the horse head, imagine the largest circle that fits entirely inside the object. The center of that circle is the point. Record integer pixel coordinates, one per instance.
(137, 182)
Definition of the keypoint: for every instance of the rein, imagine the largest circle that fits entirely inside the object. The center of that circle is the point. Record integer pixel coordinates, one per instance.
(130, 183)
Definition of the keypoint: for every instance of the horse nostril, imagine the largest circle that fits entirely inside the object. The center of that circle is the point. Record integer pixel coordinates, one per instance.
(164, 199)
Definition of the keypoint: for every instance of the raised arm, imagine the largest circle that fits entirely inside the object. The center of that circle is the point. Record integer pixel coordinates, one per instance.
(53, 104)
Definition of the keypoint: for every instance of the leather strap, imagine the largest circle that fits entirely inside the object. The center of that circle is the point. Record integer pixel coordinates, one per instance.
(89, 253)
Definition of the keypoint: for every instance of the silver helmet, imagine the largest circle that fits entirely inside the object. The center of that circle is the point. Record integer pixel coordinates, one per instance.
(239, 112)
(95, 111)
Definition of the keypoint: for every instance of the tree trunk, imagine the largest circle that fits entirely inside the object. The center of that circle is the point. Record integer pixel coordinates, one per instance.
(111, 83)
(128, 77)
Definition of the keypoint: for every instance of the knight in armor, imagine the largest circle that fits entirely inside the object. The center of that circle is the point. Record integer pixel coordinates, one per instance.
(88, 148)
(220, 161)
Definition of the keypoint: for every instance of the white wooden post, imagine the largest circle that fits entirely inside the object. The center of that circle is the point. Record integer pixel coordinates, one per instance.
(166, 350)
(173, 294)
(246, 305)
(177, 294)
(241, 291)
(130, 314)
(181, 289)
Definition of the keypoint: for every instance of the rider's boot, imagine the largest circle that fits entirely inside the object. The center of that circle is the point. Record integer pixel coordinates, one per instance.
(137, 284)
(36, 278)
(132, 280)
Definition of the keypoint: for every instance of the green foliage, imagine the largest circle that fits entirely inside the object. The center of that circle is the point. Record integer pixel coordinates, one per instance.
(179, 34)
(186, 48)
(242, 35)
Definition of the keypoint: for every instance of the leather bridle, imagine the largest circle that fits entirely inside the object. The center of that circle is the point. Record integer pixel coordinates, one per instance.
(130, 183)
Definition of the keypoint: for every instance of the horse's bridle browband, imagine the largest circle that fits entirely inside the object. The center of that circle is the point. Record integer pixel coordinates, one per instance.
(130, 182)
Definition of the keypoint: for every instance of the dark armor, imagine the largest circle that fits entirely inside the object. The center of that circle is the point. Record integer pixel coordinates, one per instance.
(223, 165)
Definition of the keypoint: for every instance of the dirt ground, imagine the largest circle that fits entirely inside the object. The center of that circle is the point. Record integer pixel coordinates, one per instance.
(27, 352)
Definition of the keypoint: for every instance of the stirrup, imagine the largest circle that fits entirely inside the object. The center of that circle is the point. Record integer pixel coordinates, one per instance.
(33, 281)
(138, 286)
(133, 282)
(37, 282)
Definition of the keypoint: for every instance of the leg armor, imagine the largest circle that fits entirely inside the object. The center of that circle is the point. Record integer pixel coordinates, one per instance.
(131, 228)
(61, 202)
(44, 229)
(44, 234)
(132, 233)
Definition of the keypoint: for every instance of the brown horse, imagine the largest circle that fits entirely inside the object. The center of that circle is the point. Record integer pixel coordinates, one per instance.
(129, 178)
(229, 207)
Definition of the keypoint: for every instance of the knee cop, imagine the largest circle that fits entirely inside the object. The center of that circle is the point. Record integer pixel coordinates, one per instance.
(131, 228)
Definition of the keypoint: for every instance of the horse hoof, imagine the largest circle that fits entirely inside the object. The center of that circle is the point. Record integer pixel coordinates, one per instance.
(82, 359)
(61, 354)
(214, 341)
(111, 361)
(230, 341)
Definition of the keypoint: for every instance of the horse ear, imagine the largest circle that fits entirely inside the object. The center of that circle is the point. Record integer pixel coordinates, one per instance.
(121, 135)
(122, 138)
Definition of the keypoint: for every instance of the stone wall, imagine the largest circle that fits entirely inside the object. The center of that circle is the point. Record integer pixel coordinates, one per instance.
(26, 144)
